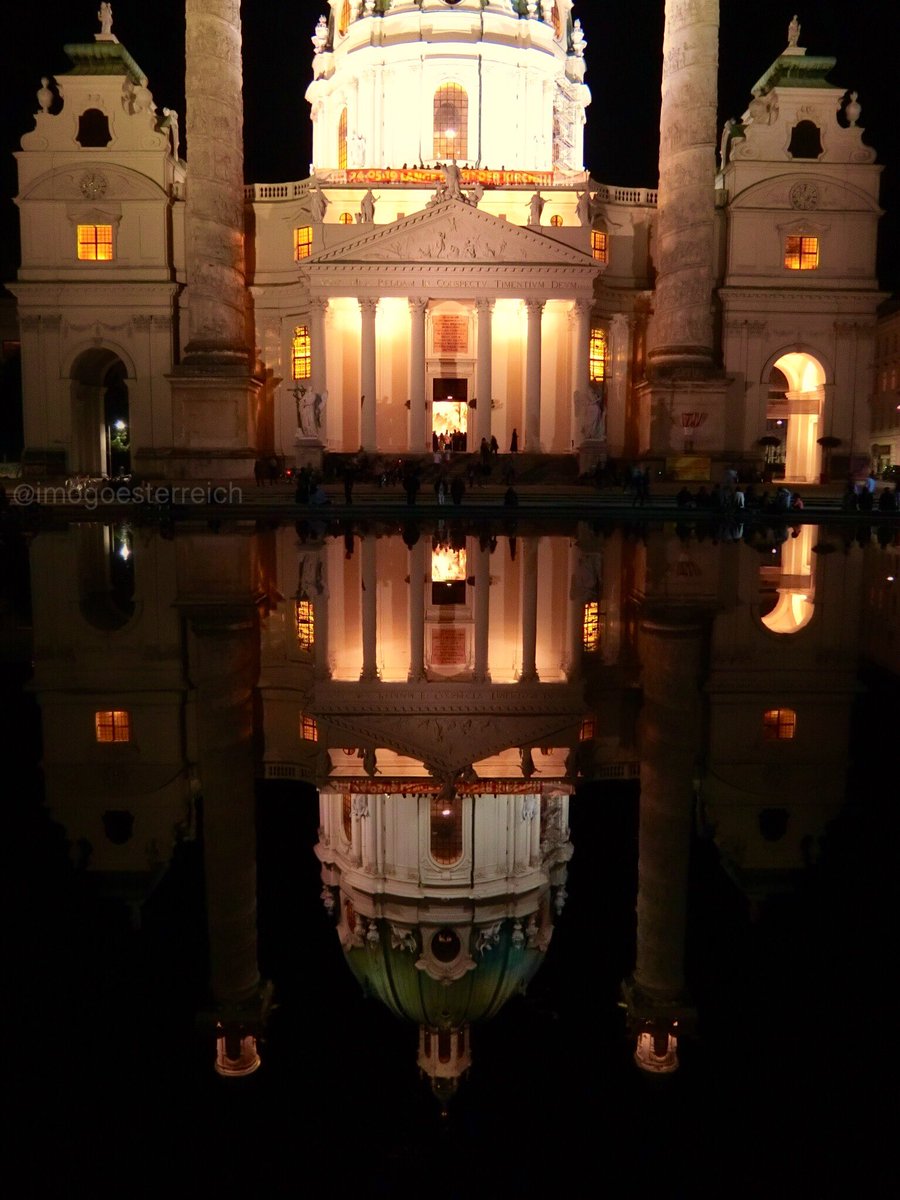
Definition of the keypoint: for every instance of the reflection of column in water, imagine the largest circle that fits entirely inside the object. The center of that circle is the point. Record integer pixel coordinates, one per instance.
(224, 661)
(369, 609)
(529, 611)
(671, 651)
(417, 611)
(482, 611)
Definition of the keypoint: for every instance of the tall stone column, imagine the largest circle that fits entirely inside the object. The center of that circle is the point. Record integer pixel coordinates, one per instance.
(482, 612)
(417, 612)
(369, 608)
(683, 323)
(535, 310)
(671, 738)
(581, 426)
(214, 396)
(368, 308)
(318, 379)
(529, 610)
(484, 380)
(224, 655)
(417, 379)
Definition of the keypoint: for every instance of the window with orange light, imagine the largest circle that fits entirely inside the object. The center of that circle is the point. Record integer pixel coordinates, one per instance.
(600, 245)
(556, 220)
(95, 243)
(591, 626)
(305, 619)
(112, 725)
(451, 122)
(556, 20)
(347, 816)
(801, 253)
(344, 18)
(345, 218)
(598, 355)
(446, 830)
(779, 724)
(301, 353)
(342, 141)
(302, 242)
(309, 729)
(588, 730)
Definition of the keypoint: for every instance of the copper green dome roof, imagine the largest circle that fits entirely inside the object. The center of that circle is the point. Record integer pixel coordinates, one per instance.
(391, 975)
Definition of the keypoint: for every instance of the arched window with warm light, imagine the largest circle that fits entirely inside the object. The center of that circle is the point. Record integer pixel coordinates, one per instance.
(598, 355)
(779, 724)
(556, 220)
(344, 18)
(446, 830)
(342, 141)
(301, 353)
(345, 218)
(112, 725)
(451, 122)
(591, 627)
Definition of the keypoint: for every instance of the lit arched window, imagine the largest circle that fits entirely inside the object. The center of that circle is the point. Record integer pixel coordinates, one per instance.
(556, 220)
(342, 141)
(344, 18)
(446, 830)
(599, 245)
(301, 353)
(598, 355)
(345, 218)
(451, 122)
(591, 627)
(779, 724)
(306, 624)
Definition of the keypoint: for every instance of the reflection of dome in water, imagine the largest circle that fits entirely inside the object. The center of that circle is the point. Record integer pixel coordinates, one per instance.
(497, 973)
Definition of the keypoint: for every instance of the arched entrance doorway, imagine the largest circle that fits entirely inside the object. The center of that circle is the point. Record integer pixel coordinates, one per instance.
(101, 422)
(794, 410)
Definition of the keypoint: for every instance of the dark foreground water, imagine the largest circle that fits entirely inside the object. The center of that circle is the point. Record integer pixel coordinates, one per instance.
(784, 1086)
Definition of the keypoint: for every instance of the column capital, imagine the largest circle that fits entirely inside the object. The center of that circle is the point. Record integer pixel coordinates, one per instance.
(318, 304)
(367, 304)
(417, 305)
(485, 305)
(534, 307)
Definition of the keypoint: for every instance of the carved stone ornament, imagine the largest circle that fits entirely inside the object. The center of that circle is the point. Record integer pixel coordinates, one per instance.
(804, 196)
(93, 185)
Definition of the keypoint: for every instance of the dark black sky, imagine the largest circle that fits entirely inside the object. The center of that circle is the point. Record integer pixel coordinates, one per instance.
(623, 56)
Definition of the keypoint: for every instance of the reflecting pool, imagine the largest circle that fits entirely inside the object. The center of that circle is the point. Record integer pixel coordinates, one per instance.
(449, 857)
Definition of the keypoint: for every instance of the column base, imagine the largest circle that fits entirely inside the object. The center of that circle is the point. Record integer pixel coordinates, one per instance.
(592, 453)
(213, 422)
(308, 452)
(679, 416)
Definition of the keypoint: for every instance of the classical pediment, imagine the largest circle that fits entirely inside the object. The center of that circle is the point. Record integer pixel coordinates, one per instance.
(457, 233)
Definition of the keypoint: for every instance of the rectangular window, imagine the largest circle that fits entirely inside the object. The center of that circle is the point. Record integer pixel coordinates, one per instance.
(112, 725)
(591, 626)
(306, 625)
(801, 253)
(302, 242)
(599, 245)
(588, 730)
(309, 730)
(95, 243)
(598, 356)
(301, 353)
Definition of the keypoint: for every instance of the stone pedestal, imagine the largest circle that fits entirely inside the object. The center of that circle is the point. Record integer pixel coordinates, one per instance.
(214, 422)
(685, 417)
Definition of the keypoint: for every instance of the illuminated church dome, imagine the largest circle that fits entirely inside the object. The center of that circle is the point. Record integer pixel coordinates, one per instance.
(494, 84)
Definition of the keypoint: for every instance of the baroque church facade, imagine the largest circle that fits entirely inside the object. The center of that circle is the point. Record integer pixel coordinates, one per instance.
(456, 272)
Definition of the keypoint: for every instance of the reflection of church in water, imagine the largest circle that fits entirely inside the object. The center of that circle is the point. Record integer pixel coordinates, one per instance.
(446, 693)
(449, 264)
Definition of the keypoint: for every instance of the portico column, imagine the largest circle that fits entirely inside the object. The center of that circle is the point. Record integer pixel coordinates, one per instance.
(529, 611)
(417, 612)
(368, 309)
(581, 311)
(417, 400)
(535, 310)
(482, 612)
(484, 376)
(318, 307)
(369, 609)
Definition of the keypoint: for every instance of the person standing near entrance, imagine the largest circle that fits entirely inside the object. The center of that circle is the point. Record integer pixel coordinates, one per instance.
(514, 442)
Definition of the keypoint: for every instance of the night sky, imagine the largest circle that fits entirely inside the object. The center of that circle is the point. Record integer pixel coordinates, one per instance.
(623, 57)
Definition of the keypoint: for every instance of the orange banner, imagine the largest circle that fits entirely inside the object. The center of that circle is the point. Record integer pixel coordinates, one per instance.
(428, 175)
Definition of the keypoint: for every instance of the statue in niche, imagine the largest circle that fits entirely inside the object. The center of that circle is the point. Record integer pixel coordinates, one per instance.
(317, 204)
(310, 410)
(535, 208)
(105, 17)
(367, 209)
(593, 427)
(794, 31)
(356, 150)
